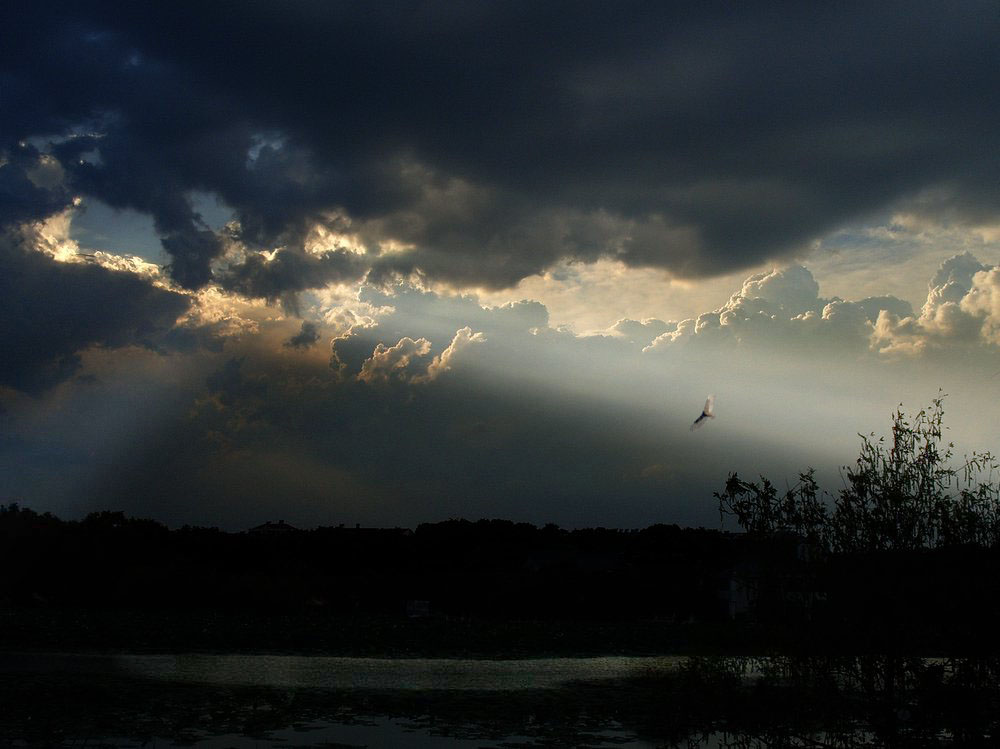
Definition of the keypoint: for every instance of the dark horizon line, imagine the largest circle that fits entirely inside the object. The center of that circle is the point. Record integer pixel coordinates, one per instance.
(281, 526)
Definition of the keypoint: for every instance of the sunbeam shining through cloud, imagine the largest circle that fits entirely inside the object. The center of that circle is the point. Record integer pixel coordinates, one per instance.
(400, 262)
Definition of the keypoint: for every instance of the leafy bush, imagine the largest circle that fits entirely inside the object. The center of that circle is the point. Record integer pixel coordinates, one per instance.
(901, 495)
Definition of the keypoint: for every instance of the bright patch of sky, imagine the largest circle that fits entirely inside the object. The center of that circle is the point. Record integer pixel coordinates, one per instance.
(590, 297)
(894, 254)
(97, 226)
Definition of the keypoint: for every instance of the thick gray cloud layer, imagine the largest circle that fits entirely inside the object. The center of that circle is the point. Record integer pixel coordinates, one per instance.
(287, 272)
(307, 336)
(492, 139)
(51, 311)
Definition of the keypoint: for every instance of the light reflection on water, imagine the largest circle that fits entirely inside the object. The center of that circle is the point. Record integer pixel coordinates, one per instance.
(387, 673)
(325, 681)
(256, 701)
(381, 733)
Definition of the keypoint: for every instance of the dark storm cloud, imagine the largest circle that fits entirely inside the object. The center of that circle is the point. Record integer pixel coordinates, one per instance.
(51, 311)
(21, 200)
(305, 338)
(289, 271)
(130, 175)
(495, 138)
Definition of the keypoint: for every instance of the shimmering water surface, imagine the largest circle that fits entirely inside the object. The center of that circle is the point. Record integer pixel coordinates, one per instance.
(296, 701)
(258, 701)
(387, 673)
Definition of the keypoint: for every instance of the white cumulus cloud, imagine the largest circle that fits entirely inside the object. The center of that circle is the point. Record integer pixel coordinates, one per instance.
(463, 340)
(389, 362)
(782, 309)
(983, 302)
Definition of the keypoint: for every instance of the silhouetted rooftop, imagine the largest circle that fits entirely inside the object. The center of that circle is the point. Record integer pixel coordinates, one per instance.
(270, 527)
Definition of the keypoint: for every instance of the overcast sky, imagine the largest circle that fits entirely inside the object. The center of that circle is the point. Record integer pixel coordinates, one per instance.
(386, 263)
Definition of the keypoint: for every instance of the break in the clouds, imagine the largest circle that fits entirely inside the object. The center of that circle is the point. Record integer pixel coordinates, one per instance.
(480, 144)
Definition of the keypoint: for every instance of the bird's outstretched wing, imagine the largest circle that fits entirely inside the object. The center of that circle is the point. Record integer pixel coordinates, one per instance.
(707, 413)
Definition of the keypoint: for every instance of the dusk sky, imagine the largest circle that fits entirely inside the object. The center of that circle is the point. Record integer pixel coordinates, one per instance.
(388, 263)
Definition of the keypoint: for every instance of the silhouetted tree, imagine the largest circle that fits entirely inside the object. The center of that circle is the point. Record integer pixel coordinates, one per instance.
(759, 509)
(901, 495)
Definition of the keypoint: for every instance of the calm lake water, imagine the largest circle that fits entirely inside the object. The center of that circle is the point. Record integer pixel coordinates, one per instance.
(294, 701)
(320, 672)
(263, 701)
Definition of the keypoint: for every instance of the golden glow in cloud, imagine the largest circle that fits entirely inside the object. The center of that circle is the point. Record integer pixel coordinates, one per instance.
(591, 297)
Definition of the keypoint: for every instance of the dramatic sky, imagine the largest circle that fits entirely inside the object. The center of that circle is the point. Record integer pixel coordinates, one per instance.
(386, 262)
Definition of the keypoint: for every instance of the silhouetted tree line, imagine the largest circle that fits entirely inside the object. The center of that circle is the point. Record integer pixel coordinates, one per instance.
(490, 568)
(899, 496)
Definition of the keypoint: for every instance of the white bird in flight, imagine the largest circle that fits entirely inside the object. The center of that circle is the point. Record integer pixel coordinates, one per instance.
(708, 412)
